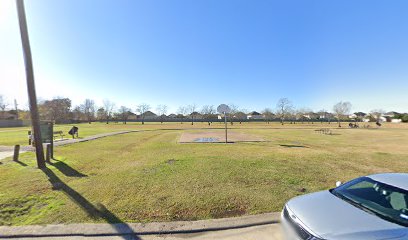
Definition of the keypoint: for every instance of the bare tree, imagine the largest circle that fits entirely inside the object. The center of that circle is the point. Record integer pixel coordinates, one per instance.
(191, 110)
(377, 114)
(182, 111)
(284, 106)
(241, 115)
(108, 106)
(302, 114)
(268, 114)
(88, 108)
(142, 109)
(57, 109)
(208, 112)
(233, 110)
(161, 111)
(77, 114)
(101, 114)
(323, 115)
(124, 113)
(341, 109)
(3, 105)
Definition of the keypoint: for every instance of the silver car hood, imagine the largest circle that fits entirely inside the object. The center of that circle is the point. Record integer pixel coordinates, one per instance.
(332, 218)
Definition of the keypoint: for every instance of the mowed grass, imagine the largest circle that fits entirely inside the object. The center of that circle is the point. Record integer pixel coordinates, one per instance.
(19, 135)
(149, 176)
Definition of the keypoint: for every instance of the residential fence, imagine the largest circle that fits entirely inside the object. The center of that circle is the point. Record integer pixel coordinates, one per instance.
(14, 123)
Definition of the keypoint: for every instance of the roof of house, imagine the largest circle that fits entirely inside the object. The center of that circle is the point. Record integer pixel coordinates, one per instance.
(360, 114)
(254, 113)
(149, 113)
(392, 113)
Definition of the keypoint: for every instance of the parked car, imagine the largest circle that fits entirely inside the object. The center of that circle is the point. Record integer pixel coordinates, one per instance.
(370, 207)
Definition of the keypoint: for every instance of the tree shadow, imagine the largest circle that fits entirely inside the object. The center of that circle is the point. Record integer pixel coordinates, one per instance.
(99, 211)
(66, 169)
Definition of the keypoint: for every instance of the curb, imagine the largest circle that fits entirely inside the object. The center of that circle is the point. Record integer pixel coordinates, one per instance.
(105, 229)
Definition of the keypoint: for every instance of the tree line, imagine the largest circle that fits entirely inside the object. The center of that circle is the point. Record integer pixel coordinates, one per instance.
(61, 110)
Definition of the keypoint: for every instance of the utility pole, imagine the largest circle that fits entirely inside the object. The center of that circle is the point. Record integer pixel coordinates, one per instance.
(16, 107)
(35, 120)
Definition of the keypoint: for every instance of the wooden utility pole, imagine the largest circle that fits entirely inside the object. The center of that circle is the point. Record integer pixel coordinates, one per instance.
(16, 108)
(35, 120)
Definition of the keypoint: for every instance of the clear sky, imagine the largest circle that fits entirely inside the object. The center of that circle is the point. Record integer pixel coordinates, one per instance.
(179, 52)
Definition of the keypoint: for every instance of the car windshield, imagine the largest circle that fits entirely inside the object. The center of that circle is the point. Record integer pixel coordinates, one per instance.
(382, 200)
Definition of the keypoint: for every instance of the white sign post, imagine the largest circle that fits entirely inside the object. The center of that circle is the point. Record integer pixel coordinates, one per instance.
(224, 109)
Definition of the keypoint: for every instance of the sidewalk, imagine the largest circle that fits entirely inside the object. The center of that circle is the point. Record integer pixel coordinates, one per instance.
(264, 232)
(7, 151)
(263, 226)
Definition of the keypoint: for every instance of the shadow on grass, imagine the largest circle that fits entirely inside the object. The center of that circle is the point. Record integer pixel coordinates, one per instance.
(292, 146)
(21, 163)
(66, 169)
(96, 212)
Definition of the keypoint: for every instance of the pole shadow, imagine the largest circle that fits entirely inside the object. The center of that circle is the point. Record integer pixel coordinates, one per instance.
(66, 169)
(99, 211)
(21, 163)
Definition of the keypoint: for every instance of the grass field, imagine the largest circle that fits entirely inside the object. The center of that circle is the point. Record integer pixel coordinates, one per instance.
(19, 135)
(149, 176)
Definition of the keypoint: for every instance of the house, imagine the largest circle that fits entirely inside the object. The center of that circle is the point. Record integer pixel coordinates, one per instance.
(359, 116)
(148, 115)
(391, 114)
(172, 115)
(131, 116)
(255, 115)
(352, 116)
(196, 115)
(325, 115)
(396, 120)
(9, 115)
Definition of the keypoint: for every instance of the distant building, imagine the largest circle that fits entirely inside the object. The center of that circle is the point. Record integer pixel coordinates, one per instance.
(197, 115)
(255, 115)
(8, 115)
(325, 115)
(149, 115)
(132, 116)
(390, 114)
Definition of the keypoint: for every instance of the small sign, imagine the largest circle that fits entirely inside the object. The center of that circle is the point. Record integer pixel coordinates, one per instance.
(46, 132)
(223, 108)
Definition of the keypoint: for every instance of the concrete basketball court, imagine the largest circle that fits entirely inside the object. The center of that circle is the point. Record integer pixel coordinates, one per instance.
(218, 136)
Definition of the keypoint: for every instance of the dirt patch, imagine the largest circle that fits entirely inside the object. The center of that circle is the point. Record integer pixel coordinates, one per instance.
(217, 137)
(171, 161)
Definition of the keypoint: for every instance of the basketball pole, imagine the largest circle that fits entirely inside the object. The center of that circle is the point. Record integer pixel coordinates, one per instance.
(28, 62)
(225, 120)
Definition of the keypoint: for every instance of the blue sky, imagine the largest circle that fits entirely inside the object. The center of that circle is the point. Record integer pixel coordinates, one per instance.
(174, 52)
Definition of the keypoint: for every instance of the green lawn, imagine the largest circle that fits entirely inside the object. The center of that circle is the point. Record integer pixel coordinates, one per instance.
(149, 176)
(13, 136)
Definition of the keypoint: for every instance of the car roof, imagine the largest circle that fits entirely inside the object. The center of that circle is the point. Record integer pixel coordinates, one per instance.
(399, 180)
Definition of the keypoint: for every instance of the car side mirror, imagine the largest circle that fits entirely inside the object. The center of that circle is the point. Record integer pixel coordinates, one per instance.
(338, 183)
